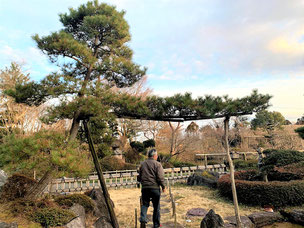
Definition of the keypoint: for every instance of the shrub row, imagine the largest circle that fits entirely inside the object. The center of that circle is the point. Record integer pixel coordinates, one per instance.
(261, 193)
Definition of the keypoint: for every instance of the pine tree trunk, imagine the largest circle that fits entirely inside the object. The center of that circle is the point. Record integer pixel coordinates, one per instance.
(35, 191)
(231, 167)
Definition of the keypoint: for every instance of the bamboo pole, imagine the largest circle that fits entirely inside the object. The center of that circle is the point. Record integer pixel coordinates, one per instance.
(235, 201)
(100, 177)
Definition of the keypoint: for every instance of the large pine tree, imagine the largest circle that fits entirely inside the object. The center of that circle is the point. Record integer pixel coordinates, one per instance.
(93, 54)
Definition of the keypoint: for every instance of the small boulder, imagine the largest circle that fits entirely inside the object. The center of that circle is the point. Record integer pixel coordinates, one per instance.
(295, 216)
(196, 212)
(3, 178)
(103, 222)
(212, 220)
(79, 221)
(204, 178)
(246, 222)
(101, 209)
(264, 218)
(8, 225)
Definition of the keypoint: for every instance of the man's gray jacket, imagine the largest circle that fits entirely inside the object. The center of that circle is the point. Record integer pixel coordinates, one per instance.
(151, 174)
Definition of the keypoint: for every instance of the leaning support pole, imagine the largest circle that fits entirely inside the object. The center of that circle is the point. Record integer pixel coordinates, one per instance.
(231, 167)
(100, 176)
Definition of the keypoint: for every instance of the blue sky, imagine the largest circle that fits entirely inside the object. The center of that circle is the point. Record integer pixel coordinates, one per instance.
(202, 46)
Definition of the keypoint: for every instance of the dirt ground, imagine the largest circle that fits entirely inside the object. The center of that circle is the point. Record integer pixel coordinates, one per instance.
(186, 197)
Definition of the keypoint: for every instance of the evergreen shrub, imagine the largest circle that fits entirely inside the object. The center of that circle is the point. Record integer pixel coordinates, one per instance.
(111, 163)
(178, 163)
(53, 216)
(81, 199)
(240, 164)
(277, 158)
(300, 131)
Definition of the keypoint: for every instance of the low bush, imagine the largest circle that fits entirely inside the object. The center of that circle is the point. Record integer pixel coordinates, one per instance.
(300, 131)
(52, 216)
(208, 175)
(240, 164)
(214, 162)
(278, 158)
(253, 192)
(178, 163)
(22, 207)
(16, 187)
(111, 163)
(81, 199)
(133, 156)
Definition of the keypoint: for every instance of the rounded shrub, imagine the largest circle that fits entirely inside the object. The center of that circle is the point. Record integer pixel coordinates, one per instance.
(81, 199)
(52, 216)
(240, 164)
(278, 158)
(111, 163)
(252, 191)
(16, 187)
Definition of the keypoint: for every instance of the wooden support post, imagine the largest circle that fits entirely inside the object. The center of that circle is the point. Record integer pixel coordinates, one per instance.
(135, 217)
(175, 219)
(206, 160)
(100, 177)
(235, 201)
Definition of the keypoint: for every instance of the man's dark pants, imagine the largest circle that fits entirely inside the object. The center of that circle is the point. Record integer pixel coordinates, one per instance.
(152, 194)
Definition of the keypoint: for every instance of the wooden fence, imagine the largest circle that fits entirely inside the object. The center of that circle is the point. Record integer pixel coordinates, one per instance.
(123, 179)
(223, 156)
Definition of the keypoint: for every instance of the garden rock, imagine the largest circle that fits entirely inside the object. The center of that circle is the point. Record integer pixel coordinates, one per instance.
(201, 180)
(247, 223)
(261, 219)
(10, 225)
(3, 178)
(212, 220)
(196, 212)
(100, 209)
(79, 221)
(103, 222)
(295, 216)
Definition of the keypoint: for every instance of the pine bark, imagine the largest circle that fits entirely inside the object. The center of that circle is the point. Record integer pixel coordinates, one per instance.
(36, 190)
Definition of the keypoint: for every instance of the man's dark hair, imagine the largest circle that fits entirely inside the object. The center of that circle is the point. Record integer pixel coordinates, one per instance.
(151, 153)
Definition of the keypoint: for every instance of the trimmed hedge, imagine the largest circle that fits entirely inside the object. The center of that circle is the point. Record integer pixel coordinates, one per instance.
(250, 191)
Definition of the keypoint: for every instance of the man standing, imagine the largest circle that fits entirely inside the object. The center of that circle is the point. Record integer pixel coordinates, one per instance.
(151, 177)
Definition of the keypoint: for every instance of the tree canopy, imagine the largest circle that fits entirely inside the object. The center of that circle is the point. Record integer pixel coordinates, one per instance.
(92, 53)
(268, 120)
(182, 107)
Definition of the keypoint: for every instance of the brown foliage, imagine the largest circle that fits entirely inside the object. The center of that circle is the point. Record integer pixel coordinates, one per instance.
(16, 187)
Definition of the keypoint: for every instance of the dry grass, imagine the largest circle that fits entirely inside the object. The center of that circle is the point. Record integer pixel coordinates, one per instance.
(187, 197)
(5, 216)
